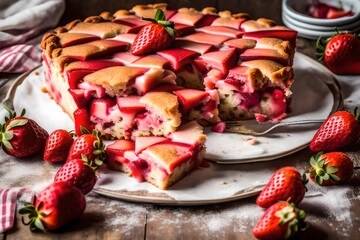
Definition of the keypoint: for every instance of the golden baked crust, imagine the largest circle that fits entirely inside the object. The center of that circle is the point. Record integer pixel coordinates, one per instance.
(273, 71)
(152, 60)
(114, 79)
(259, 24)
(101, 29)
(241, 43)
(284, 48)
(163, 104)
(167, 154)
(149, 10)
(85, 51)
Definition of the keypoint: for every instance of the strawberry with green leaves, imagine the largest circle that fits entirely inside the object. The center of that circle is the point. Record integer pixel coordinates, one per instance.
(339, 130)
(281, 220)
(58, 145)
(55, 206)
(156, 36)
(90, 145)
(331, 168)
(286, 184)
(341, 53)
(21, 136)
(79, 173)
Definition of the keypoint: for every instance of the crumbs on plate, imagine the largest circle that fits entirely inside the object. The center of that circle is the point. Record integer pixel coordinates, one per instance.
(251, 141)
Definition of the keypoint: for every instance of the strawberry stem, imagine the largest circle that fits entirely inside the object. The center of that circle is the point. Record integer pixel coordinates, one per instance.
(160, 18)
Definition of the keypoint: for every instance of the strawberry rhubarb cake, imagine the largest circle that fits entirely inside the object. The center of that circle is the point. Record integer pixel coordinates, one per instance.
(151, 77)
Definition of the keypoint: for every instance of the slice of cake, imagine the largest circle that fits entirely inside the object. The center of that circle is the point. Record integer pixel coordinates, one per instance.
(161, 161)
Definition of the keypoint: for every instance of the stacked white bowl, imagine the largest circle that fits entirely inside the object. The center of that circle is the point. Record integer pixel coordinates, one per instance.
(294, 16)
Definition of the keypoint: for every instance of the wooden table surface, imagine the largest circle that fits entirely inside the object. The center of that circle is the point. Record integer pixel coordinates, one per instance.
(335, 216)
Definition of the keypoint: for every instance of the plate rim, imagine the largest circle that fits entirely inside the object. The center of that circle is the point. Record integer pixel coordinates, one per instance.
(325, 22)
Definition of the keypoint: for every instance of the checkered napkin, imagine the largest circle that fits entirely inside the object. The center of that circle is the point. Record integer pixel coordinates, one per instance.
(10, 199)
(22, 24)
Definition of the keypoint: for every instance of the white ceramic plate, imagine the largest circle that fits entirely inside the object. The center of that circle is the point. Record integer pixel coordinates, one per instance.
(216, 183)
(287, 7)
(346, 27)
(312, 33)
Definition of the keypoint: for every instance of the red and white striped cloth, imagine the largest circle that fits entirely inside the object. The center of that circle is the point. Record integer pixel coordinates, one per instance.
(22, 23)
(19, 58)
(10, 200)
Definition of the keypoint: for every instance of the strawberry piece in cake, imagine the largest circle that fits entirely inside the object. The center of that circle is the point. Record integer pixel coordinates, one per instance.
(178, 57)
(248, 91)
(219, 30)
(215, 40)
(193, 46)
(183, 30)
(199, 105)
(159, 160)
(221, 60)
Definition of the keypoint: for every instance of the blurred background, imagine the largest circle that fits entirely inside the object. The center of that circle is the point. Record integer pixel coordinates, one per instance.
(80, 9)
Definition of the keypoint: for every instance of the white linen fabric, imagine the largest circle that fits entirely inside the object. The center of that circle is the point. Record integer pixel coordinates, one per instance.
(22, 24)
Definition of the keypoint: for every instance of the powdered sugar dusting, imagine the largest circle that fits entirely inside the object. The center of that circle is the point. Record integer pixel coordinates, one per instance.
(32, 173)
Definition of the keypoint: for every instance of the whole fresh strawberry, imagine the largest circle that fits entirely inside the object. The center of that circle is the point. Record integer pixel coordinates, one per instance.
(79, 173)
(90, 145)
(57, 146)
(156, 36)
(281, 220)
(55, 206)
(337, 131)
(331, 168)
(341, 53)
(286, 184)
(21, 136)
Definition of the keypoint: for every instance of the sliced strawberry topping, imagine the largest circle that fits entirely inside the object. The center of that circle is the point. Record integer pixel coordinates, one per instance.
(222, 60)
(190, 98)
(178, 57)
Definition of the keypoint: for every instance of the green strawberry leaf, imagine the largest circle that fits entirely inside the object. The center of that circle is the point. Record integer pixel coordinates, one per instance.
(23, 112)
(7, 136)
(334, 177)
(7, 145)
(160, 15)
(16, 123)
(98, 162)
(319, 180)
(325, 176)
(171, 32)
(313, 162)
(84, 130)
(39, 225)
(331, 169)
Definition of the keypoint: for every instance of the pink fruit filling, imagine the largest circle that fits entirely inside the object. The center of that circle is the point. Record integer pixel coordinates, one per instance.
(147, 120)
